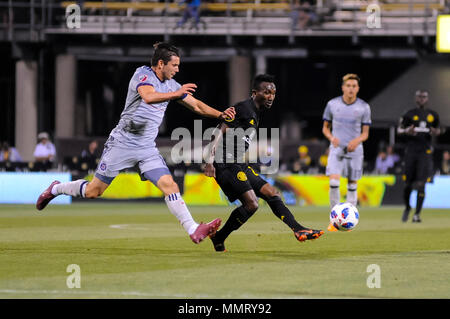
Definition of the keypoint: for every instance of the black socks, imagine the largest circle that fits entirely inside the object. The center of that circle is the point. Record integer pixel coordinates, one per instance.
(237, 218)
(282, 212)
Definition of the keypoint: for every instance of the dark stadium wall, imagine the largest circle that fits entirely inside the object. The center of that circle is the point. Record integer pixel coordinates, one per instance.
(430, 73)
(95, 77)
(7, 94)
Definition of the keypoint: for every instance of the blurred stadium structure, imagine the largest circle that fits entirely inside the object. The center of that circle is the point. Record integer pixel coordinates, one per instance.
(67, 74)
(36, 20)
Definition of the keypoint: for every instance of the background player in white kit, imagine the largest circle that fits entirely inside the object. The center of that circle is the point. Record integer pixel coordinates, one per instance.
(132, 141)
(346, 125)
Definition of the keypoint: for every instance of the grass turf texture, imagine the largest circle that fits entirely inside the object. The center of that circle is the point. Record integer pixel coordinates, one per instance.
(128, 250)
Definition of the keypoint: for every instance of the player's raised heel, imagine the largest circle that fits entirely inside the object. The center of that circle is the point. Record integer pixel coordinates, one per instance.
(46, 196)
(308, 234)
(219, 245)
(205, 230)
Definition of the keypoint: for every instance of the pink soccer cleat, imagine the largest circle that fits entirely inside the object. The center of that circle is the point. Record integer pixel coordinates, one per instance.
(46, 196)
(205, 230)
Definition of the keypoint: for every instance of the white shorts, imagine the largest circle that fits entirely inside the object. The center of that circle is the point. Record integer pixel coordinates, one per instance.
(117, 156)
(349, 165)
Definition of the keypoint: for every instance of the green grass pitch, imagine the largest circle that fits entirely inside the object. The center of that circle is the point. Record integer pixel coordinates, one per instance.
(135, 250)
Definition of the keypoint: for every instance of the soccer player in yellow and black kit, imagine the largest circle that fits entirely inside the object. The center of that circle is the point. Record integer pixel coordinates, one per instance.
(236, 178)
(418, 126)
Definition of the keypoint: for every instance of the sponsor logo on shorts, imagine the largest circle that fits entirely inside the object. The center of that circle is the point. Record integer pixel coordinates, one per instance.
(241, 176)
(102, 166)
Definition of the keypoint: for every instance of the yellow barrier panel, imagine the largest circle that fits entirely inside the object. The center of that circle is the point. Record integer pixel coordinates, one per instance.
(129, 186)
(309, 190)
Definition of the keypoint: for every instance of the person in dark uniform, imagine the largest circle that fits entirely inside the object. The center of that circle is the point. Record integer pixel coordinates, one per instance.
(237, 179)
(418, 125)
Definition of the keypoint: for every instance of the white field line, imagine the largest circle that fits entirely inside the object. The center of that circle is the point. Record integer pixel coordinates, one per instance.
(135, 294)
(103, 293)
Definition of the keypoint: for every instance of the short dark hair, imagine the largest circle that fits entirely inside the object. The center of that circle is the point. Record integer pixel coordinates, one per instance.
(260, 78)
(164, 51)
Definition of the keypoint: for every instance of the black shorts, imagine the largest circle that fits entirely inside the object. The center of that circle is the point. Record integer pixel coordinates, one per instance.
(236, 179)
(418, 166)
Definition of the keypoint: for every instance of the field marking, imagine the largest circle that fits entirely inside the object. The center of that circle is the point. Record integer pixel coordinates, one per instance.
(139, 294)
(129, 226)
(105, 293)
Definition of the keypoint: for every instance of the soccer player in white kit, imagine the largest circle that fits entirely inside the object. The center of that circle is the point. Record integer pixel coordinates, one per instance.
(132, 141)
(346, 125)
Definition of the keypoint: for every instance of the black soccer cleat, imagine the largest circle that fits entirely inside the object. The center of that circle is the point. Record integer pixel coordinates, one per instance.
(405, 214)
(308, 234)
(219, 245)
(416, 219)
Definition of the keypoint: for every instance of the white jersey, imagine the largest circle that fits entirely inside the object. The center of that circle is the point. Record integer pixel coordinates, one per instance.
(347, 119)
(139, 122)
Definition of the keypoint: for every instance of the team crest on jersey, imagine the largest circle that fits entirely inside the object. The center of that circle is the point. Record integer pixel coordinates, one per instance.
(241, 176)
(143, 78)
(430, 118)
(415, 118)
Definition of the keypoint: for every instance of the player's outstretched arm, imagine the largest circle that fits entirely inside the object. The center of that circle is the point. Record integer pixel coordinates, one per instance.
(218, 132)
(149, 94)
(203, 109)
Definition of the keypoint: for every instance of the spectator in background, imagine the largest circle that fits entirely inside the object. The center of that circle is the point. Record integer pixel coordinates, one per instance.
(9, 153)
(391, 155)
(45, 151)
(192, 10)
(381, 163)
(386, 160)
(91, 154)
(445, 165)
(323, 162)
(303, 162)
(303, 14)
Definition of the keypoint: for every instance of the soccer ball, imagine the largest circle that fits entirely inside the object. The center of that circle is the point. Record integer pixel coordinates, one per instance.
(344, 216)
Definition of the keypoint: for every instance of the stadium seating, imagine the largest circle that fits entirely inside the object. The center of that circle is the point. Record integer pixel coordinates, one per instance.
(258, 17)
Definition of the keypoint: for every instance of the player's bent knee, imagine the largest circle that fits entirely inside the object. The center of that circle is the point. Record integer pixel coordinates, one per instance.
(334, 183)
(93, 192)
(167, 185)
(268, 191)
(251, 206)
(352, 186)
(420, 186)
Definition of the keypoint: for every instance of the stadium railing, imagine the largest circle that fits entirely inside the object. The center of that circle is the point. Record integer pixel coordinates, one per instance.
(35, 19)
